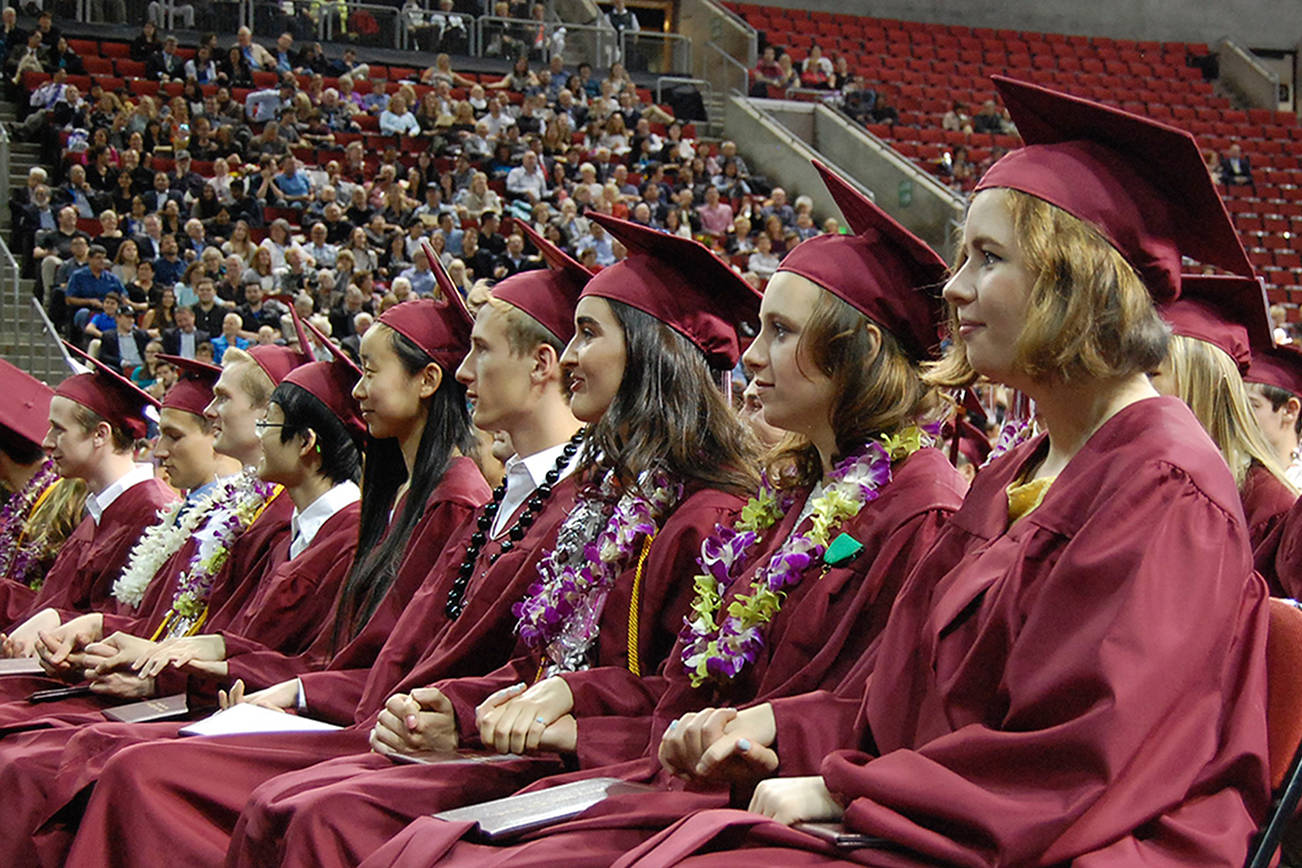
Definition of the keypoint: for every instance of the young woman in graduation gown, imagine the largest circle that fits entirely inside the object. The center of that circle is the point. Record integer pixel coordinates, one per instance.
(843, 325)
(1045, 692)
(1219, 324)
(646, 505)
(419, 416)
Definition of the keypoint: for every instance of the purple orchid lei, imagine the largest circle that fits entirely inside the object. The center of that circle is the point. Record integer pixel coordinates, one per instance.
(562, 608)
(717, 650)
(248, 496)
(19, 555)
(1014, 433)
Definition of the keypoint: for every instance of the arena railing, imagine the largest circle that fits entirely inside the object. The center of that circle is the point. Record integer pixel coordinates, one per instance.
(721, 66)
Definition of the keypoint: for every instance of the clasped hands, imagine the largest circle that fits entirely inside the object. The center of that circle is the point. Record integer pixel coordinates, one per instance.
(514, 719)
(724, 745)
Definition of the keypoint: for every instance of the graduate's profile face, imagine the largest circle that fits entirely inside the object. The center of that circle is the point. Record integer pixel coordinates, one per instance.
(184, 450)
(496, 377)
(595, 358)
(991, 289)
(280, 462)
(234, 414)
(390, 396)
(794, 394)
(67, 441)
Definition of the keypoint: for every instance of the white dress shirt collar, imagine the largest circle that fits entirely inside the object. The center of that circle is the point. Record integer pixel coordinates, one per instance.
(523, 476)
(96, 504)
(303, 526)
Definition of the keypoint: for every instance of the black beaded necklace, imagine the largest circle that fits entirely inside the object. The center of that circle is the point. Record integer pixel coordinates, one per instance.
(532, 507)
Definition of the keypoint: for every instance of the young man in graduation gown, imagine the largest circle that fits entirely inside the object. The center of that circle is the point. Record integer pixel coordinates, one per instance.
(95, 420)
(186, 454)
(459, 622)
(239, 398)
(1274, 380)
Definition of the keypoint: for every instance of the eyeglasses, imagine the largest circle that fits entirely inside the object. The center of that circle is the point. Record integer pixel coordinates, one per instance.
(262, 425)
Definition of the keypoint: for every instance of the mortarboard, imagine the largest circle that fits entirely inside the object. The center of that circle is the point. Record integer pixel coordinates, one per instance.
(681, 283)
(115, 398)
(27, 410)
(882, 270)
(1141, 183)
(192, 391)
(1226, 311)
(332, 384)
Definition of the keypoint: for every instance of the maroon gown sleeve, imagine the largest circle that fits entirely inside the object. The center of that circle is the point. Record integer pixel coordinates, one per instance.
(1087, 689)
(1266, 501)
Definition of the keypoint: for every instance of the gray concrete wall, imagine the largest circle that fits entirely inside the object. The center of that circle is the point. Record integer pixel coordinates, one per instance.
(1273, 24)
(780, 137)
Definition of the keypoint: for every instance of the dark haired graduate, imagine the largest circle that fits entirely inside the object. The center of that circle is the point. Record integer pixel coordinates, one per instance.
(1045, 692)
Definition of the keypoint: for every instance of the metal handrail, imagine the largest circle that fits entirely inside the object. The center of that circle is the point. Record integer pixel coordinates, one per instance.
(4, 165)
(19, 335)
(732, 61)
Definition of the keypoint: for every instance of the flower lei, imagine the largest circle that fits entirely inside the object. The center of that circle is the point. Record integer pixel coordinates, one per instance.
(19, 553)
(1014, 433)
(165, 538)
(719, 650)
(242, 499)
(561, 611)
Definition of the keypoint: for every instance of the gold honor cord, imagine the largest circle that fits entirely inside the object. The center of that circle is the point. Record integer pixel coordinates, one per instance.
(634, 664)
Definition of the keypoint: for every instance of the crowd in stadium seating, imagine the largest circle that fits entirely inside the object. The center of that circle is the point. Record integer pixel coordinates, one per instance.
(221, 169)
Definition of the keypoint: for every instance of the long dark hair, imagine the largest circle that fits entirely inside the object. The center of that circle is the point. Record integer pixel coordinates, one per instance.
(447, 427)
(668, 414)
(341, 460)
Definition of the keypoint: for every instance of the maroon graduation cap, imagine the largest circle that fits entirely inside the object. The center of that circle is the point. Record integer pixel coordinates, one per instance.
(1141, 183)
(192, 391)
(549, 294)
(332, 384)
(883, 270)
(26, 412)
(440, 328)
(681, 283)
(1279, 366)
(108, 393)
(1226, 311)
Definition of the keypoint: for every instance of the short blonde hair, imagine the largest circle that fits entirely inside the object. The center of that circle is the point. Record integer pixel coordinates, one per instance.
(1089, 315)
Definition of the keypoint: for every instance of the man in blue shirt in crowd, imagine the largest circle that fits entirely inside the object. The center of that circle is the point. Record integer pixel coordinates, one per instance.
(291, 185)
(89, 286)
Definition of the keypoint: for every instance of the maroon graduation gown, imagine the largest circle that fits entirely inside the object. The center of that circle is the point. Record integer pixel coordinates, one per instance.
(253, 554)
(828, 624)
(1266, 501)
(92, 557)
(1087, 686)
(239, 764)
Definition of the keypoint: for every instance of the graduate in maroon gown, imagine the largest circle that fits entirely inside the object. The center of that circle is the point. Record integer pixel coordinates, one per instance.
(95, 420)
(41, 508)
(186, 454)
(1044, 692)
(1274, 381)
(837, 367)
(418, 418)
(239, 541)
(1219, 325)
(666, 486)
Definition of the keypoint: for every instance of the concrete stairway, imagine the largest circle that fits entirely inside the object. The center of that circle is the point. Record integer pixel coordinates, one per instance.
(24, 340)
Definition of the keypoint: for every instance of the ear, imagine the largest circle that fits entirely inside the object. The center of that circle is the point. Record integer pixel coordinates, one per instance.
(546, 364)
(309, 446)
(431, 379)
(875, 340)
(1291, 408)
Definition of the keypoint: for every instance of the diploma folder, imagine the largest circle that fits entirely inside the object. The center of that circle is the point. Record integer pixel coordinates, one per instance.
(838, 836)
(21, 666)
(163, 708)
(503, 819)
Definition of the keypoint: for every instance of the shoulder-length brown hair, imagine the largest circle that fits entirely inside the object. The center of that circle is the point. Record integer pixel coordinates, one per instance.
(1089, 314)
(879, 388)
(669, 414)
